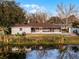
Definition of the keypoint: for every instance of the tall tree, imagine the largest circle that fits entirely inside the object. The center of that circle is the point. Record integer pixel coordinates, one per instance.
(65, 12)
(10, 14)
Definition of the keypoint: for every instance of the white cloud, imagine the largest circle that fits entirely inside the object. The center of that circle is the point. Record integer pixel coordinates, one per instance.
(32, 8)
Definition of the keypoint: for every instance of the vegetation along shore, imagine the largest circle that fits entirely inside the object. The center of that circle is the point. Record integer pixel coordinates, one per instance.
(38, 39)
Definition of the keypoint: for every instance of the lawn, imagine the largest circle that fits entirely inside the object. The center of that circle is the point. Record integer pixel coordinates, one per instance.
(39, 39)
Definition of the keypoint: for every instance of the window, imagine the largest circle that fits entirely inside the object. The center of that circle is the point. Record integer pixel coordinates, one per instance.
(20, 29)
(46, 29)
(57, 30)
(32, 30)
(51, 30)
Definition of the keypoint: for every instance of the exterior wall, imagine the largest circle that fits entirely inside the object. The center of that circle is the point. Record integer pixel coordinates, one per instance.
(28, 30)
(70, 30)
(46, 30)
(46, 33)
(57, 30)
(42, 30)
(15, 30)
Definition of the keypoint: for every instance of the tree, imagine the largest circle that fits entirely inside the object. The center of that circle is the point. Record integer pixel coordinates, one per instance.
(75, 24)
(10, 14)
(55, 20)
(41, 17)
(38, 17)
(65, 12)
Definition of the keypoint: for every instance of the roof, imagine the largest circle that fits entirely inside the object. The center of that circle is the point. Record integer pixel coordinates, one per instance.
(36, 25)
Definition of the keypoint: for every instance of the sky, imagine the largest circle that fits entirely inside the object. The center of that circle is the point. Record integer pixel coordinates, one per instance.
(44, 5)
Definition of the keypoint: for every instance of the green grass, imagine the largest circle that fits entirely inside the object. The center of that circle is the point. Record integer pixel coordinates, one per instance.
(40, 39)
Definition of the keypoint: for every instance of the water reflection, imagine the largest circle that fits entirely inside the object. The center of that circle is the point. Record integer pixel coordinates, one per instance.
(68, 53)
(71, 55)
(43, 54)
(52, 54)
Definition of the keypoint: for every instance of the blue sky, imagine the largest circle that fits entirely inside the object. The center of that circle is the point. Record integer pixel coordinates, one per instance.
(46, 5)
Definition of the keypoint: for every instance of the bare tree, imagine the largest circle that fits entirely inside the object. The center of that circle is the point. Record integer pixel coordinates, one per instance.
(41, 17)
(66, 11)
(38, 17)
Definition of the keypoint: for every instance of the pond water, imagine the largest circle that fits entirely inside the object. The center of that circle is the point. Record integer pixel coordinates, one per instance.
(52, 54)
(43, 54)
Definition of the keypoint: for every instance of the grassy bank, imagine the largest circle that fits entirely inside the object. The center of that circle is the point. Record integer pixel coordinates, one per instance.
(38, 39)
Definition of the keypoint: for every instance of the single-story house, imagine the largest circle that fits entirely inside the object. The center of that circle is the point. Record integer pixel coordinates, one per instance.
(40, 28)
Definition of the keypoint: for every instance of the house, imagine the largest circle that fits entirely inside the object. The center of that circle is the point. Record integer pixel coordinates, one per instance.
(40, 28)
